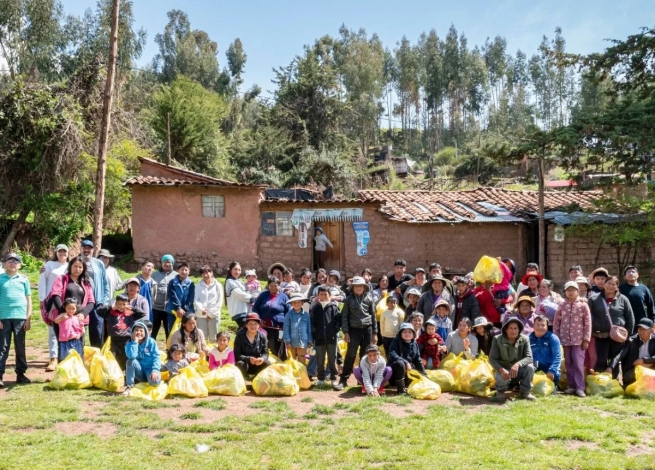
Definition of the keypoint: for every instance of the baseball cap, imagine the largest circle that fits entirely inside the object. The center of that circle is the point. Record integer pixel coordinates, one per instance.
(60, 247)
(15, 256)
(87, 243)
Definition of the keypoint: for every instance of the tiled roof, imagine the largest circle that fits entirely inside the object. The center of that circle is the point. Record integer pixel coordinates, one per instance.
(476, 205)
(186, 178)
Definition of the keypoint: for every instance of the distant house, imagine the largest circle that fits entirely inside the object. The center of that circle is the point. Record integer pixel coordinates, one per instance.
(205, 220)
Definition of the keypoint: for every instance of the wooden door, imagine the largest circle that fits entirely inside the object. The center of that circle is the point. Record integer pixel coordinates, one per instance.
(334, 232)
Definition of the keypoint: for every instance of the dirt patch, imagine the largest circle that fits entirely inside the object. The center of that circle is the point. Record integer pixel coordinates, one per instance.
(575, 445)
(639, 449)
(79, 428)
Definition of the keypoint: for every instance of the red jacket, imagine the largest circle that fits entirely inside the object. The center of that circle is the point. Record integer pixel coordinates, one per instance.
(486, 302)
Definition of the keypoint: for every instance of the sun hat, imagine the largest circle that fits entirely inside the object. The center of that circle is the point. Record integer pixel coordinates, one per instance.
(60, 247)
(600, 272)
(437, 277)
(442, 303)
(297, 297)
(105, 254)
(132, 280)
(524, 279)
(275, 265)
(514, 320)
(583, 280)
(481, 321)
(252, 317)
(359, 281)
(412, 291)
(525, 298)
(571, 284)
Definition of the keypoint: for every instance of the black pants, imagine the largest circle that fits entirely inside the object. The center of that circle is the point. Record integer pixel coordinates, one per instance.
(159, 318)
(399, 372)
(360, 338)
(15, 328)
(629, 377)
(248, 369)
(118, 350)
(96, 329)
(331, 351)
(386, 344)
(606, 350)
(274, 341)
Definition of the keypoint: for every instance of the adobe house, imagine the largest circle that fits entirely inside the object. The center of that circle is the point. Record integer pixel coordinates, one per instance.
(205, 220)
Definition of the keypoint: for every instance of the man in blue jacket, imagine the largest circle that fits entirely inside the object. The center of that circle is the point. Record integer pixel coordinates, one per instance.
(96, 271)
(546, 349)
(180, 295)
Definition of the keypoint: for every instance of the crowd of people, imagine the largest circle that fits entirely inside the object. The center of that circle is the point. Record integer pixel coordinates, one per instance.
(395, 323)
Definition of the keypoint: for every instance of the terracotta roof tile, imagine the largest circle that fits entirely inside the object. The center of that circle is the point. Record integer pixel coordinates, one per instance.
(481, 204)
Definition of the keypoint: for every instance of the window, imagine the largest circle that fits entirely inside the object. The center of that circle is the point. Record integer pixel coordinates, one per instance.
(213, 206)
(277, 224)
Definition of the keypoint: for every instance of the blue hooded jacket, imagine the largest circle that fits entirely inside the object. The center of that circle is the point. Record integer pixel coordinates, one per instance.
(147, 352)
(546, 353)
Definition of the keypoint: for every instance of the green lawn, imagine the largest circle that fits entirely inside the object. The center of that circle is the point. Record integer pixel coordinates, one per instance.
(94, 429)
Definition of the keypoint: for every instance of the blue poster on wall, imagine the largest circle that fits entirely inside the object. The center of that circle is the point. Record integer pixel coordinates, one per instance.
(362, 237)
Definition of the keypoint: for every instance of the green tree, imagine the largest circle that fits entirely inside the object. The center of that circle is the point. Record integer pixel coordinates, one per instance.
(194, 116)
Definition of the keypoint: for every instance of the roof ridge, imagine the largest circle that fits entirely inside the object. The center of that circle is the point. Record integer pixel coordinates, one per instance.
(186, 172)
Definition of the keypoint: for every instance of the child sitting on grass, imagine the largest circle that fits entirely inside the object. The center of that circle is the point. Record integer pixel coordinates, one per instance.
(143, 361)
(222, 354)
(175, 360)
(372, 373)
(431, 345)
(71, 330)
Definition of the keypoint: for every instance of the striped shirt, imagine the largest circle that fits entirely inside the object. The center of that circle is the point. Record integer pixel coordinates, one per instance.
(14, 291)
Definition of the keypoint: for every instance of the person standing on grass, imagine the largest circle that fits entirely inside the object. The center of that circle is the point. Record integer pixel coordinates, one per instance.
(147, 285)
(208, 302)
(96, 272)
(598, 277)
(15, 316)
(511, 358)
(358, 324)
(546, 349)
(639, 350)
(114, 279)
(160, 280)
(609, 308)
(466, 304)
(524, 311)
(238, 298)
(49, 272)
(326, 323)
(297, 331)
(436, 292)
(575, 272)
(399, 275)
(390, 322)
(271, 306)
(180, 295)
(640, 297)
(572, 325)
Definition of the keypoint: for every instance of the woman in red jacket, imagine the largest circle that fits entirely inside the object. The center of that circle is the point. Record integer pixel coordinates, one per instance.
(486, 301)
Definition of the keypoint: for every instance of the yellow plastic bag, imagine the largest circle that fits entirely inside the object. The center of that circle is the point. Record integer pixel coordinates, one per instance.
(488, 270)
(201, 365)
(226, 380)
(542, 386)
(563, 383)
(149, 392)
(71, 374)
(382, 306)
(176, 326)
(454, 364)
(421, 387)
(476, 378)
(273, 359)
(276, 380)
(89, 352)
(300, 373)
(443, 378)
(165, 375)
(604, 385)
(163, 356)
(644, 386)
(105, 372)
(343, 347)
(188, 383)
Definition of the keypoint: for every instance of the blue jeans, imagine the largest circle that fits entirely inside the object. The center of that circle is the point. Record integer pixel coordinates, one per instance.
(17, 329)
(135, 371)
(67, 346)
(96, 328)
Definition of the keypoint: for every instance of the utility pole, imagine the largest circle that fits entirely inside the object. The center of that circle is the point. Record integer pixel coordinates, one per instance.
(98, 211)
(168, 137)
(542, 210)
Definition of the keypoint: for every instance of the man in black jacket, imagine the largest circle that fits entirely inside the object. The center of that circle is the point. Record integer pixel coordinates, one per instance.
(639, 350)
(358, 324)
(326, 323)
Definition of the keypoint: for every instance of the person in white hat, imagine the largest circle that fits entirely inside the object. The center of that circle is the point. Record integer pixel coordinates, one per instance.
(297, 329)
(53, 268)
(115, 282)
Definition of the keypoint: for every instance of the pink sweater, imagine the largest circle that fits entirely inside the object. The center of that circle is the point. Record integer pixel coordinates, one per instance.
(219, 359)
(507, 279)
(572, 322)
(70, 328)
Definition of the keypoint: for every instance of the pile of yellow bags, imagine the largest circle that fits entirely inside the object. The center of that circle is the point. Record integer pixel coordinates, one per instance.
(421, 387)
(188, 383)
(443, 378)
(89, 352)
(71, 374)
(476, 378)
(201, 366)
(488, 270)
(542, 386)
(454, 364)
(226, 380)
(105, 372)
(149, 392)
(276, 380)
(300, 373)
(604, 385)
(176, 326)
(644, 386)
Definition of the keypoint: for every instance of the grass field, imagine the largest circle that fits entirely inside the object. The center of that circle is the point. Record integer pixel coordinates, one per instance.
(315, 430)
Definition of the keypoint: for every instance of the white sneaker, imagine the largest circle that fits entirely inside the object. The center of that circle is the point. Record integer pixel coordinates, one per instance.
(580, 393)
(319, 383)
(126, 392)
(570, 391)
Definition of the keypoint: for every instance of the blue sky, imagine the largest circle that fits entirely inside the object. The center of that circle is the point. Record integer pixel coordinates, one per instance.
(273, 32)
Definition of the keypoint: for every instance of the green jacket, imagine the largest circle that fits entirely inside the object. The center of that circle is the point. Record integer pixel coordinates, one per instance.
(504, 355)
